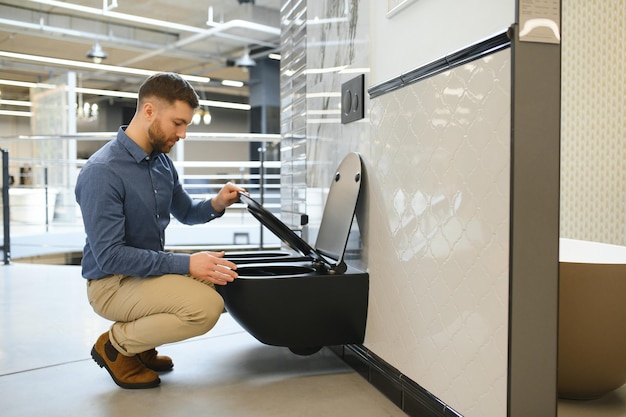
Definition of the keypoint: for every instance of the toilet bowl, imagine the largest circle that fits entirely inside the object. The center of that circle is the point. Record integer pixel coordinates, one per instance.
(309, 298)
(299, 306)
(592, 319)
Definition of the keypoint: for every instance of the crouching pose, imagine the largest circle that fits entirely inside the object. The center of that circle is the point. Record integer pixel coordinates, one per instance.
(127, 192)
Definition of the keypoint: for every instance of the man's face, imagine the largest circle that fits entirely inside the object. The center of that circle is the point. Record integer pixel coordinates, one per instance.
(169, 125)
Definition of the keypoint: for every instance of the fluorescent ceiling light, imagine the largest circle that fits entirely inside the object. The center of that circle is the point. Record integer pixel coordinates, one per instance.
(232, 83)
(93, 66)
(26, 84)
(120, 16)
(108, 93)
(124, 94)
(15, 113)
(212, 103)
(16, 103)
(274, 56)
(225, 105)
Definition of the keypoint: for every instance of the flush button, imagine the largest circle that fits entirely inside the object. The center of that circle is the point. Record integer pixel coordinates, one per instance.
(352, 102)
(346, 103)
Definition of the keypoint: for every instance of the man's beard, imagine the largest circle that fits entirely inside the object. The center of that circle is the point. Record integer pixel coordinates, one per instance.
(157, 138)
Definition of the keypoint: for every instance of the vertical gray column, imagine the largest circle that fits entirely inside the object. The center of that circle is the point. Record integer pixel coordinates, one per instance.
(265, 96)
(264, 117)
(534, 258)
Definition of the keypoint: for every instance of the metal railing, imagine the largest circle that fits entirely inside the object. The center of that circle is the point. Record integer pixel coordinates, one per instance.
(6, 227)
(39, 174)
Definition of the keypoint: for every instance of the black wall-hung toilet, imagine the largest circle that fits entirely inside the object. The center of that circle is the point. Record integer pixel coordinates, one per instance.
(310, 298)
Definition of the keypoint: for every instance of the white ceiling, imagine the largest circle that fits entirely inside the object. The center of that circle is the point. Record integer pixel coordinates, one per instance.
(180, 38)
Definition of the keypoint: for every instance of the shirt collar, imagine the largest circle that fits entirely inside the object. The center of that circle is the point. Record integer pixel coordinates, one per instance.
(133, 149)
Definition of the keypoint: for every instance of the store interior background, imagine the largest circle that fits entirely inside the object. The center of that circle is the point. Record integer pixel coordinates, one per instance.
(438, 310)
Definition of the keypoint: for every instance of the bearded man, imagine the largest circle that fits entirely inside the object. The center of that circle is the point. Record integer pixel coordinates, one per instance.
(127, 192)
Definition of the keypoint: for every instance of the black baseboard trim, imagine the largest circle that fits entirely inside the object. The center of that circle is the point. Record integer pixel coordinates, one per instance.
(409, 396)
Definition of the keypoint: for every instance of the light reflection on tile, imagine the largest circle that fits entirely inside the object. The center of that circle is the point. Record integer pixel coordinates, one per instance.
(439, 179)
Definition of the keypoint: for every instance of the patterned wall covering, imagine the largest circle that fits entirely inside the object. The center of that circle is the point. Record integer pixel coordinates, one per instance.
(434, 213)
(438, 233)
(434, 280)
(593, 121)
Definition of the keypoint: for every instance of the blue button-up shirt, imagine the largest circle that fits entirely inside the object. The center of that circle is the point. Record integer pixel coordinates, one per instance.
(126, 197)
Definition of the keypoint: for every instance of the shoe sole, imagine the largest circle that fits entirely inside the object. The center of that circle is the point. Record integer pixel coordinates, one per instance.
(102, 363)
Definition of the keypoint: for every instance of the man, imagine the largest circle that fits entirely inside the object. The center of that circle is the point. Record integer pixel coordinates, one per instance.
(127, 191)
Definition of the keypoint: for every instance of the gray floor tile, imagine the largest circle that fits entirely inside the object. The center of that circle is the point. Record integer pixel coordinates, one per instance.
(48, 328)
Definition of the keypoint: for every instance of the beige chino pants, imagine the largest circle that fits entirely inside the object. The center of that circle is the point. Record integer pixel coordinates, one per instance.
(149, 312)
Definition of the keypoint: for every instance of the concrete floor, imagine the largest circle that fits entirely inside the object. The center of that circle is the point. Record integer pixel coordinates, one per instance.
(47, 329)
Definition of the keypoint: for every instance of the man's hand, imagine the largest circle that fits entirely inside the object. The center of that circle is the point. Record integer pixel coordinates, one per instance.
(211, 266)
(228, 195)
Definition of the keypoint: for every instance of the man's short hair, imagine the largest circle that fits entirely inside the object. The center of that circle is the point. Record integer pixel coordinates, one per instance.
(170, 87)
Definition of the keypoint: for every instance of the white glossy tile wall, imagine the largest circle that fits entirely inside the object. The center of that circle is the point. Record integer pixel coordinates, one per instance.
(438, 232)
(435, 209)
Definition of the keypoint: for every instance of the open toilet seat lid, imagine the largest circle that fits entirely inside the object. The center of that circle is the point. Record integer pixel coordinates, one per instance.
(279, 228)
(336, 220)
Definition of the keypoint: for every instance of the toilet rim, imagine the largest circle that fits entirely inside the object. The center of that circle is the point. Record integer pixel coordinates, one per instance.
(286, 270)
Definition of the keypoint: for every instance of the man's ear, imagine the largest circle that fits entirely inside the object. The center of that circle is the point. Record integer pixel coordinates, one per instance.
(149, 110)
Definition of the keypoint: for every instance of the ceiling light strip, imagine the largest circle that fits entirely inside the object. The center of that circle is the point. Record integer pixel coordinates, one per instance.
(159, 23)
(16, 103)
(15, 113)
(108, 93)
(225, 105)
(232, 83)
(93, 66)
(212, 103)
(26, 84)
(113, 93)
(120, 16)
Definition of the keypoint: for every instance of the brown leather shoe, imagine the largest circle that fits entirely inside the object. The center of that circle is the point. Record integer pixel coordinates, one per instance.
(126, 371)
(156, 362)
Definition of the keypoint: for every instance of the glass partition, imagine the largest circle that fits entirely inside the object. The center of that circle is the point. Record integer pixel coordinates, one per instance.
(41, 187)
